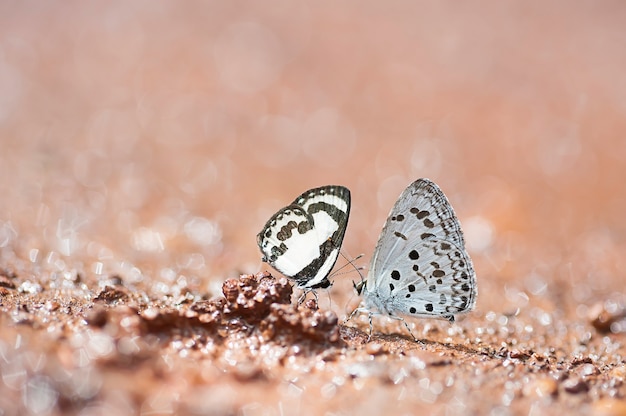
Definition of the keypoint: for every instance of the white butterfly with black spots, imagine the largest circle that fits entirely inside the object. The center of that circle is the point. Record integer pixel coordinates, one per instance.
(420, 266)
(303, 239)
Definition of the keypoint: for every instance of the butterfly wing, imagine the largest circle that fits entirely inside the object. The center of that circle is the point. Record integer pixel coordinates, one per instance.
(435, 279)
(420, 266)
(303, 240)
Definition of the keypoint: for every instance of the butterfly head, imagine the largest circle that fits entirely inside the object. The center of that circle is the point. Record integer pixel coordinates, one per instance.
(358, 287)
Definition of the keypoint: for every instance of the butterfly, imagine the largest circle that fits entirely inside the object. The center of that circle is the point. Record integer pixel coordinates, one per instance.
(420, 266)
(303, 239)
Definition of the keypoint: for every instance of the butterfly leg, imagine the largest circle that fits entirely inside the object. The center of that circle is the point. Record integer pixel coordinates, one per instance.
(406, 325)
(352, 314)
(305, 292)
(369, 316)
(409, 329)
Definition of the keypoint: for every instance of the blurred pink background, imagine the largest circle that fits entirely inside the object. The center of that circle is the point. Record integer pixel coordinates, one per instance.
(155, 138)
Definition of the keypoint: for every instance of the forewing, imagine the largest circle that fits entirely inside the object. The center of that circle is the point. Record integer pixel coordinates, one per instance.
(286, 240)
(422, 212)
(329, 206)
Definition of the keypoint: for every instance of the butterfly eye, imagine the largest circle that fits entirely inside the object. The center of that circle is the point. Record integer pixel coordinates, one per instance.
(358, 287)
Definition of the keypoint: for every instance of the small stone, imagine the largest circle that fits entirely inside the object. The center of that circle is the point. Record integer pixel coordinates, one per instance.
(587, 370)
(112, 294)
(116, 280)
(150, 314)
(52, 305)
(97, 316)
(602, 319)
(542, 387)
(30, 287)
(575, 385)
(375, 348)
(6, 282)
(247, 371)
(230, 289)
(618, 372)
(311, 304)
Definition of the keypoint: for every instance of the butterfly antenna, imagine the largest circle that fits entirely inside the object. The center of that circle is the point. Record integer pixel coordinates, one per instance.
(354, 266)
(357, 309)
(351, 262)
(305, 292)
(346, 272)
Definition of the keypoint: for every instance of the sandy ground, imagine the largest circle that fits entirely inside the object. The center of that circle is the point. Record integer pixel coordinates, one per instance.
(145, 144)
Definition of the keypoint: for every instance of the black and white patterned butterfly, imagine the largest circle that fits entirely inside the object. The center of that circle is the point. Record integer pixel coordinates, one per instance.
(303, 239)
(420, 267)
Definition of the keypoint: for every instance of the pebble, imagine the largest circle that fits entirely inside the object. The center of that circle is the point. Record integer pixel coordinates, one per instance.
(618, 372)
(542, 387)
(6, 282)
(375, 348)
(575, 385)
(97, 316)
(602, 319)
(52, 305)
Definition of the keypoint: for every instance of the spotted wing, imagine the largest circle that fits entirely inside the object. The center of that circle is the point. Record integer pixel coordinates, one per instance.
(302, 240)
(433, 277)
(420, 266)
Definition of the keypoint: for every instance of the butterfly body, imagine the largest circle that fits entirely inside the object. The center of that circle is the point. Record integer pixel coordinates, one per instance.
(303, 239)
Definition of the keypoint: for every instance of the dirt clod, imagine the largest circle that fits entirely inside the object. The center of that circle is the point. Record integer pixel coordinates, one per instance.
(6, 282)
(603, 318)
(97, 316)
(575, 385)
(112, 294)
(541, 387)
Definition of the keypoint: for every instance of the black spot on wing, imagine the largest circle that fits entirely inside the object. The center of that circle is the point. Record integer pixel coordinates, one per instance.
(419, 214)
(304, 226)
(400, 235)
